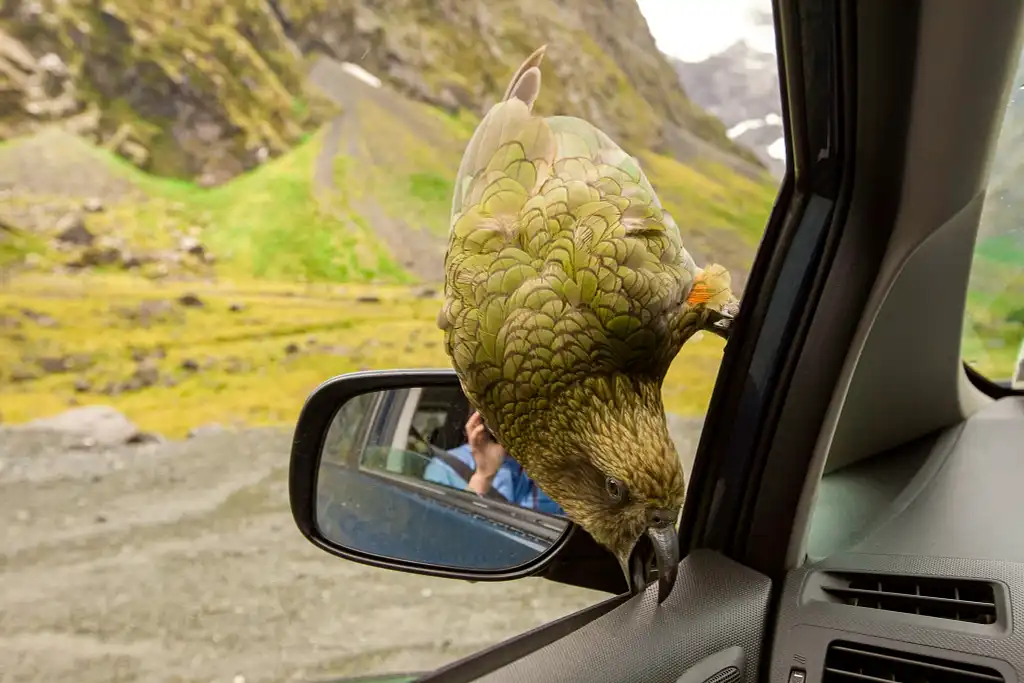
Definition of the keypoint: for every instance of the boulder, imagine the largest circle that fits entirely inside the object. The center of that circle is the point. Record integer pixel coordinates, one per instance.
(190, 300)
(71, 230)
(95, 425)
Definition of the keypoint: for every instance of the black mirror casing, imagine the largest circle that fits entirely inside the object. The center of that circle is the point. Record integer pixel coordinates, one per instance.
(575, 558)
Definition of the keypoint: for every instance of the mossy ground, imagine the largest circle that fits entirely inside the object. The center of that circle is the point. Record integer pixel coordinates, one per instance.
(257, 365)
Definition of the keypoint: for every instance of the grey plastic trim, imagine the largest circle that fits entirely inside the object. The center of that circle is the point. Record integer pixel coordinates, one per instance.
(907, 378)
(716, 604)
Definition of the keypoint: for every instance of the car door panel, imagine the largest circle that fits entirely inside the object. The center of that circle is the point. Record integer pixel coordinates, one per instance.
(717, 604)
(421, 525)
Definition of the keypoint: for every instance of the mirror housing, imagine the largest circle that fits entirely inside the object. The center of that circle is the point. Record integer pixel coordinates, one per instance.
(571, 557)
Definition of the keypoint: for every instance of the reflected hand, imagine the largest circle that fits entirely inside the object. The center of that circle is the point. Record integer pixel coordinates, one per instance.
(487, 454)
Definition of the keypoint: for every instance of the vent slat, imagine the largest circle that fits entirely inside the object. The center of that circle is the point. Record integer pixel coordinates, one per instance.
(851, 674)
(922, 598)
(901, 659)
(956, 599)
(845, 662)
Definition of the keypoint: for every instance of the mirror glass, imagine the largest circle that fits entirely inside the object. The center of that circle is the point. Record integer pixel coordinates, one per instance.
(411, 474)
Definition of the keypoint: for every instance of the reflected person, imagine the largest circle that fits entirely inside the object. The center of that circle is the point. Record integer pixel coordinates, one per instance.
(482, 465)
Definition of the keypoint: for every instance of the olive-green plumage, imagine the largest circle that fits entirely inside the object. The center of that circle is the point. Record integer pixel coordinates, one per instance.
(568, 293)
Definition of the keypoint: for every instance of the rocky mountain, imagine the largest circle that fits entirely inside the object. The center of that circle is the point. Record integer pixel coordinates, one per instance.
(208, 89)
(186, 88)
(740, 86)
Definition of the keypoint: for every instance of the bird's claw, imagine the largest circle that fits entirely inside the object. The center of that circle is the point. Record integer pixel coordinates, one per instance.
(721, 322)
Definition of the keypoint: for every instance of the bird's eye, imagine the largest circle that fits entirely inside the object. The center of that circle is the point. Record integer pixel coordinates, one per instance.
(616, 489)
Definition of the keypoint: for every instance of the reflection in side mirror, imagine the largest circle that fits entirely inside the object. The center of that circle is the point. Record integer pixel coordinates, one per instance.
(394, 482)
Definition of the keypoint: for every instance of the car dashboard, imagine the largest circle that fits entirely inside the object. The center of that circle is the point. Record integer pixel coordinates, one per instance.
(917, 564)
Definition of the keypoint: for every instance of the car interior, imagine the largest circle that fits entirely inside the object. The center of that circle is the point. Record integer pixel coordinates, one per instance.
(451, 432)
(401, 430)
(406, 423)
(415, 423)
(875, 533)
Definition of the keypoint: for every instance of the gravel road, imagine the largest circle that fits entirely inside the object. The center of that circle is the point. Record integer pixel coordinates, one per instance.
(180, 562)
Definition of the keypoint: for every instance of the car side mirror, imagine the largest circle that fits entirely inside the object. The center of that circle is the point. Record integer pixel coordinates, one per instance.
(378, 475)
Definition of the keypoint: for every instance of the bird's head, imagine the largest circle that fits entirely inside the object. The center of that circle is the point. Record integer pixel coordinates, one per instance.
(631, 506)
(711, 294)
(613, 468)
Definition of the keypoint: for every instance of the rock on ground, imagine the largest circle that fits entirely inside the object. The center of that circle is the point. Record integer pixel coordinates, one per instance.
(180, 562)
(94, 425)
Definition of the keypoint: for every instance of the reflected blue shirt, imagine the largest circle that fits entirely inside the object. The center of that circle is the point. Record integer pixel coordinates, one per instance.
(510, 481)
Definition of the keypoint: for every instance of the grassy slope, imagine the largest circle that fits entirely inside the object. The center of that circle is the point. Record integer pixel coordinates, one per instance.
(270, 232)
(994, 328)
(994, 325)
(269, 224)
(407, 163)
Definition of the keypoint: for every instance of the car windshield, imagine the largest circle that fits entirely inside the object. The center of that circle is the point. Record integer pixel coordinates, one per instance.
(210, 207)
(993, 342)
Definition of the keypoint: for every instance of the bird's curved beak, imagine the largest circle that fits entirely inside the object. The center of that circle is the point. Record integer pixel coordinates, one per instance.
(655, 555)
(666, 557)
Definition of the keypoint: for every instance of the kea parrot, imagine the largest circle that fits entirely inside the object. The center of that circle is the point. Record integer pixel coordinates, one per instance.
(567, 295)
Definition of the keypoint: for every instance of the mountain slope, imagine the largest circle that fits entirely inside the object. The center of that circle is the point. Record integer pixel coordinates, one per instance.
(227, 95)
(398, 160)
(740, 86)
(174, 331)
(208, 89)
(457, 54)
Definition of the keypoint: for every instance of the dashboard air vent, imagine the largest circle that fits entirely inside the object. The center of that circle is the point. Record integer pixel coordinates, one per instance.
(957, 599)
(856, 663)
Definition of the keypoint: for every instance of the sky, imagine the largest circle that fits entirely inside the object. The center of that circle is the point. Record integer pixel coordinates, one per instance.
(693, 30)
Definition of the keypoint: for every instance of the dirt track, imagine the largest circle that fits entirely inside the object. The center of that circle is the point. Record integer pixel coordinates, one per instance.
(180, 562)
